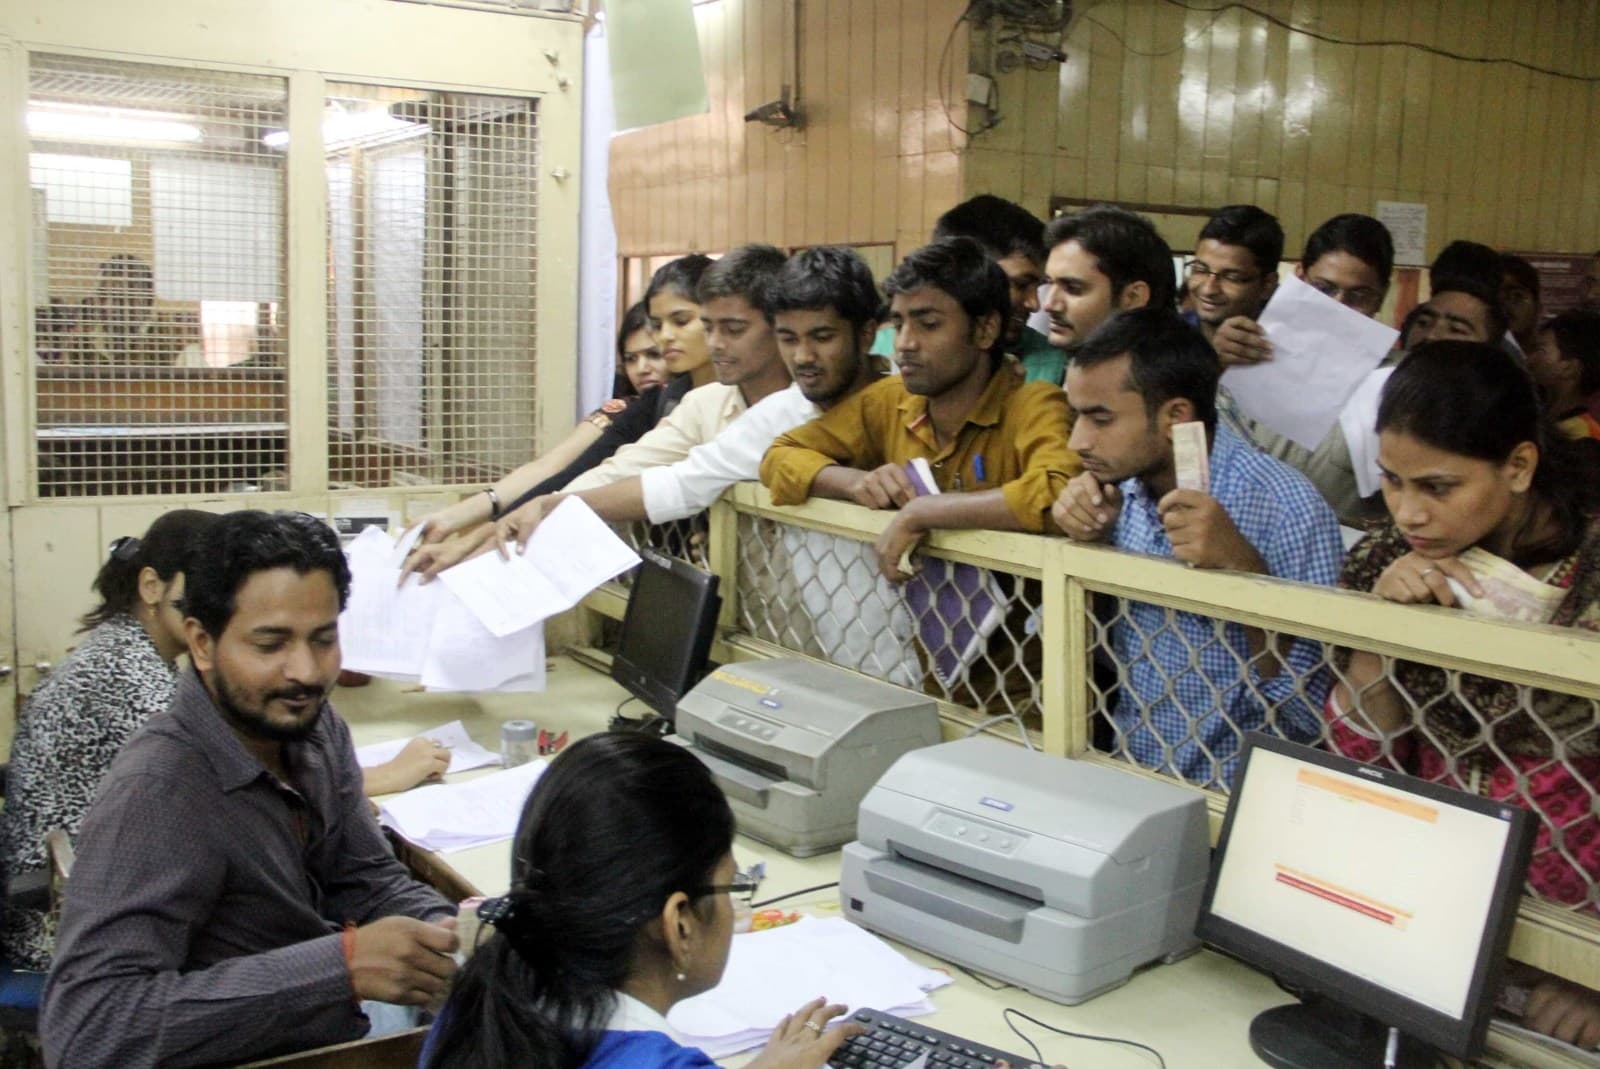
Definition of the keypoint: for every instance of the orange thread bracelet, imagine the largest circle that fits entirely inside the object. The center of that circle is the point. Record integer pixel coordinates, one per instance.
(348, 942)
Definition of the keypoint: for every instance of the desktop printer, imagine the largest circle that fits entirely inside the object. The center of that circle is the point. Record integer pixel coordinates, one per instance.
(795, 744)
(1057, 875)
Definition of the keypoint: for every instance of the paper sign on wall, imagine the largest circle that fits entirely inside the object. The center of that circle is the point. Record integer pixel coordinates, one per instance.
(1408, 224)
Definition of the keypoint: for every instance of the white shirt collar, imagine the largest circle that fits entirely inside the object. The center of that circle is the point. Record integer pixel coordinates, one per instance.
(631, 1015)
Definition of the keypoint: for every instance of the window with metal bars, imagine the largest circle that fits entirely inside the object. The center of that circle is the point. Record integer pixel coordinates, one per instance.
(158, 279)
(432, 276)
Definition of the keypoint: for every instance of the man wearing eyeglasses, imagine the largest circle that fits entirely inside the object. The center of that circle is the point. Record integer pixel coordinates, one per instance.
(1235, 267)
(1349, 258)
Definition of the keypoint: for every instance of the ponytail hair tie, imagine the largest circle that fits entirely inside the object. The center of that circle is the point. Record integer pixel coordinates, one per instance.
(125, 548)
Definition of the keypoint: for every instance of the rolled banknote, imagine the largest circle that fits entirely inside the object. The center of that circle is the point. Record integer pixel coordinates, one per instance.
(1190, 456)
(1509, 593)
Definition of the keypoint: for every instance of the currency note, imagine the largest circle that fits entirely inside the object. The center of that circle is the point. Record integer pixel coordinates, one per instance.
(1509, 593)
(1190, 456)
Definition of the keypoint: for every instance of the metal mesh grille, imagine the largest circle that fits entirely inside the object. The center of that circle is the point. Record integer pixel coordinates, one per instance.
(432, 221)
(158, 279)
(1175, 692)
(966, 635)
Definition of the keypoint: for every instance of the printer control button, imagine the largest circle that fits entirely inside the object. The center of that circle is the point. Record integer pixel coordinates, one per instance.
(983, 836)
(961, 829)
(1005, 844)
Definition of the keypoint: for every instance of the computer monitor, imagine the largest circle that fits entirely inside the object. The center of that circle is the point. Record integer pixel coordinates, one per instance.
(666, 632)
(1388, 899)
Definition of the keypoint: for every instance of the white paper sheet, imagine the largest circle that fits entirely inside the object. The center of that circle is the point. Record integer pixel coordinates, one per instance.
(384, 628)
(1358, 422)
(1321, 351)
(773, 973)
(463, 654)
(464, 753)
(456, 816)
(570, 553)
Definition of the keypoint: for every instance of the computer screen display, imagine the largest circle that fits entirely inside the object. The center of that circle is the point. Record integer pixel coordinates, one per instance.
(666, 631)
(1392, 895)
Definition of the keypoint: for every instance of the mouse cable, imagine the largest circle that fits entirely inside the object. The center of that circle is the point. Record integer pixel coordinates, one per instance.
(1008, 1011)
(793, 894)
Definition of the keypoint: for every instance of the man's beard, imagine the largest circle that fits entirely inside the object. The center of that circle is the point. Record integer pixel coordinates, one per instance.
(256, 723)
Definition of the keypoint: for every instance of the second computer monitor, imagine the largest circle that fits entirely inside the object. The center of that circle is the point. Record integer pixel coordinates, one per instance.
(1388, 895)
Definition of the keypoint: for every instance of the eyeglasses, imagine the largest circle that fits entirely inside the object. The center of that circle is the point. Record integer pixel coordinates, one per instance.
(1362, 298)
(1199, 271)
(743, 885)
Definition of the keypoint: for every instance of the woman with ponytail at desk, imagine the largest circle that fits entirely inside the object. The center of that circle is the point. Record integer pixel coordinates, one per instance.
(619, 908)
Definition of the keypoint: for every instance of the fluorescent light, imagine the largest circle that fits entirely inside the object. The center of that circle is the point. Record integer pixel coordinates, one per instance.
(340, 127)
(74, 122)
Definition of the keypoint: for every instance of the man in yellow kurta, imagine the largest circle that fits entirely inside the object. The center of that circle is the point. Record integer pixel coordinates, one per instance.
(997, 447)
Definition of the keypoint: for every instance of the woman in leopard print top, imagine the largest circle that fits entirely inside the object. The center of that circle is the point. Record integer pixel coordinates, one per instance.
(82, 713)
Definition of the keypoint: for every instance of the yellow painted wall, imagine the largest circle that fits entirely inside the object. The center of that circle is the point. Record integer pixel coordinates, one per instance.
(875, 163)
(1228, 108)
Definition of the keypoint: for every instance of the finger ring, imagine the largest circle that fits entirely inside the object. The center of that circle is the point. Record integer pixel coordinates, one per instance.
(1426, 572)
(815, 1027)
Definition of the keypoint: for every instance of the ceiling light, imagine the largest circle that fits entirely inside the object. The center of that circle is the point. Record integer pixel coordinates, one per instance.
(77, 122)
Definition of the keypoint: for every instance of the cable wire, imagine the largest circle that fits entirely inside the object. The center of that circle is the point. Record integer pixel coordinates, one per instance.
(1009, 1010)
(1285, 24)
(793, 894)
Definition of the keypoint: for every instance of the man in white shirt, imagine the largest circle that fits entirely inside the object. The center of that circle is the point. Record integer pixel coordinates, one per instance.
(819, 311)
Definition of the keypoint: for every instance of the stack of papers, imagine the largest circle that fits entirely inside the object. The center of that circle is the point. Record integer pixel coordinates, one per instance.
(457, 816)
(478, 628)
(464, 753)
(771, 974)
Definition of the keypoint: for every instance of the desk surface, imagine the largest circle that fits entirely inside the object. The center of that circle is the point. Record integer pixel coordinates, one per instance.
(1196, 1012)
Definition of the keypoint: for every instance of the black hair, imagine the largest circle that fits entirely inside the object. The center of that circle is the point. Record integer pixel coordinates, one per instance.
(1495, 312)
(1248, 227)
(1577, 333)
(1408, 322)
(1521, 272)
(745, 272)
(1127, 245)
(1476, 400)
(618, 824)
(1465, 263)
(1167, 359)
(1002, 227)
(827, 276)
(635, 319)
(959, 267)
(1361, 236)
(166, 547)
(680, 276)
(240, 544)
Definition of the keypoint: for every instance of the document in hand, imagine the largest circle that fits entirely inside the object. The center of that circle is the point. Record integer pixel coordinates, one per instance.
(570, 553)
(773, 973)
(1509, 593)
(956, 607)
(475, 630)
(1321, 351)
(455, 816)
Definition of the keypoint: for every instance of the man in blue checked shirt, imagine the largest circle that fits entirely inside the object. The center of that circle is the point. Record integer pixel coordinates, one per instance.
(1191, 686)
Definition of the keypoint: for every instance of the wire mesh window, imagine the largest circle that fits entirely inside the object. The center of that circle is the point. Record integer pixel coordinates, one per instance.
(158, 278)
(964, 634)
(433, 272)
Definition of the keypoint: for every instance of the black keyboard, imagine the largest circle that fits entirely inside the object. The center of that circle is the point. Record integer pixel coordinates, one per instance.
(892, 1042)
